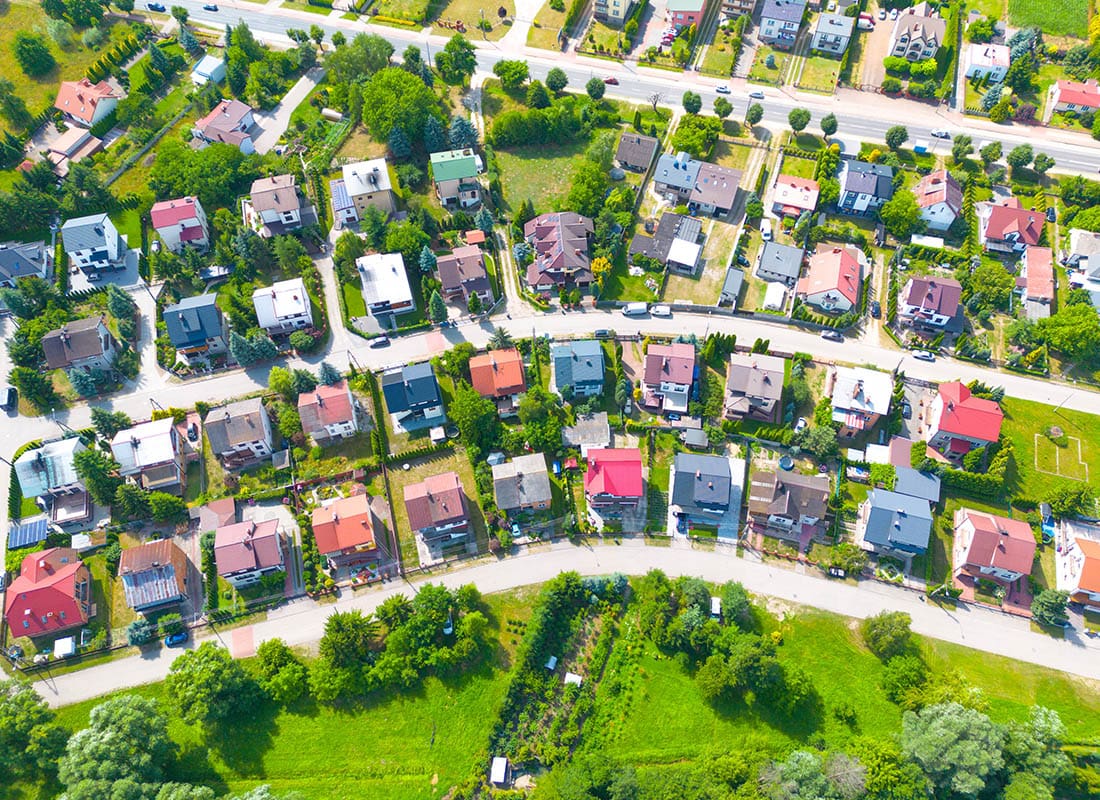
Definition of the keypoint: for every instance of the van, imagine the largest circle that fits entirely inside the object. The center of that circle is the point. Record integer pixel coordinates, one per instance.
(8, 398)
(661, 311)
(715, 607)
(766, 230)
(635, 309)
(604, 333)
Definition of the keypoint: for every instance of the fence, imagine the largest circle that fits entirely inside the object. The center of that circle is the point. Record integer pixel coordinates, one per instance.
(145, 148)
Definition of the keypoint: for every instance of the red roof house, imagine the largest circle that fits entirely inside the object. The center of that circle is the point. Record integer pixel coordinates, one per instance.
(614, 479)
(85, 102)
(180, 221)
(245, 551)
(940, 199)
(52, 593)
(1083, 575)
(930, 302)
(991, 547)
(345, 531)
(1075, 96)
(1007, 227)
(669, 373)
(958, 421)
(794, 195)
(437, 508)
(498, 374)
(328, 413)
(833, 279)
(1037, 281)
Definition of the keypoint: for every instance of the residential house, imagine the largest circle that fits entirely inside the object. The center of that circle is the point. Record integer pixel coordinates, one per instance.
(247, 551)
(84, 344)
(918, 33)
(635, 151)
(986, 61)
(209, 69)
(1078, 563)
(1037, 279)
(789, 505)
(181, 222)
(893, 524)
(832, 33)
(669, 375)
(1007, 227)
(228, 122)
(731, 9)
(437, 508)
(240, 433)
(674, 176)
(363, 185)
(578, 366)
(613, 482)
(754, 386)
(914, 483)
(274, 206)
(930, 302)
(613, 12)
(328, 413)
(684, 13)
(454, 173)
(993, 548)
(940, 199)
(93, 243)
(1084, 246)
(864, 187)
(348, 534)
(522, 484)
(150, 455)
(731, 287)
(703, 489)
(792, 196)
(213, 515)
(779, 263)
(715, 190)
(860, 398)
(500, 376)
(86, 103)
(24, 260)
(72, 146)
(462, 274)
(833, 278)
(283, 307)
(590, 432)
(675, 243)
(780, 21)
(154, 575)
(386, 290)
(559, 242)
(196, 328)
(958, 421)
(48, 474)
(52, 593)
(1074, 96)
(412, 395)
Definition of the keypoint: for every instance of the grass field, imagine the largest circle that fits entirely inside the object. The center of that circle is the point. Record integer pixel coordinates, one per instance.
(353, 300)
(1055, 17)
(819, 74)
(719, 58)
(798, 167)
(731, 154)
(1035, 455)
(539, 173)
(760, 72)
(469, 11)
(544, 33)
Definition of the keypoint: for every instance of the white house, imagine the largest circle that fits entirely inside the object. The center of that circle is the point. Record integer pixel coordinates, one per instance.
(93, 242)
(149, 454)
(361, 186)
(181, 222)
(386, 290)
(283, 307)
(273, 206)
(982, 60)
(209, 69)
(940, 199)
(328, 413)
(239, 433)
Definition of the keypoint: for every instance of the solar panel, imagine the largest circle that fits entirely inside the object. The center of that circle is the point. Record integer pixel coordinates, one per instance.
(27, 533)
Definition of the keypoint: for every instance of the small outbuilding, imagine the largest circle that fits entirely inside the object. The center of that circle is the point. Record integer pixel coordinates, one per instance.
(498, 773)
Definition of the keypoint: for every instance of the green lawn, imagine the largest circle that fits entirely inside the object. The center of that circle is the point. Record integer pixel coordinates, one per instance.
(719, 58)
(731, 154)
(353, 300)
(544, 33)
(819, 74)
(798, 167)
(1038, 459)
(605, 39)
(469, 11)
(760, 72)
(1054, 17)
(539, 173)
(322, 10)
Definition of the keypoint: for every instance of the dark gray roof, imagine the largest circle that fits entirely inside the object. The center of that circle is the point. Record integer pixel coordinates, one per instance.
(784, 10)
(781, 259)
(236, 424)
(670, 228)
(636, 150)
(679, 171)
(410, 388)
(521, 482)
(85, 233)
(914, 483)
(700, 481)
(863, 177)
(590, 430)
(732, 286)
(192, 321)
(578, 363)
(21, 260)
(898, 521)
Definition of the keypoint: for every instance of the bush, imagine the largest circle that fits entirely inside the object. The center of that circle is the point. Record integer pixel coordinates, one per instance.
(891, 85)
(140, 631)
(170, 624)
(887, 634)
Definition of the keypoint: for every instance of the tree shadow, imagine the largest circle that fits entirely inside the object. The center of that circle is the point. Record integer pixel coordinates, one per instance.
(242, 743)
(193, 766)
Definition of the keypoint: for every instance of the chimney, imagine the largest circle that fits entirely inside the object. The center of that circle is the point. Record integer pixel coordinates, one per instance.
(698, 475)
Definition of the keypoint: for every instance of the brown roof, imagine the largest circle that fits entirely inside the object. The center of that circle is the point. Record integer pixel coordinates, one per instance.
(73, 341)
(755, 375)
(437, 500)
(465, 267)
(939, 187)
(224, 120)
(277, 193)
(153, 557)
(636, 150)
(326, 405)
(938, 295)
(671, 363)
(1007, 217)
(999, 542)
(347, 524)
(236, 424)
(715, 185)
(788, 494)
(247, 545)
(560, 242)
(498, 373)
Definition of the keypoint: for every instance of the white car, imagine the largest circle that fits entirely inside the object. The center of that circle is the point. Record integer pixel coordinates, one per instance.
(766, 230)
(940, 133)
(894, 14)
(756, 95)
(924, 355)
(882, 13)
(801, 425)
(722, 89)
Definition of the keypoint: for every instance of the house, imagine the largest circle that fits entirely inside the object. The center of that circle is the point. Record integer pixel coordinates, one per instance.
(918, 33)
(958, 421)
(247, 551)
(754, 386)
(779, 263)
(703, 489)
(228, 122)
(213, 515)
(328, 413)
(462, 274)
(613, 12)
(1078, 567)
(239, 433)
(669, 374)
(940, 199)
(577, 366)
(348, 534)
(893, 524)
(832, 33)
(731, 9)
(613, 482)
(1075, 96)
(833, 278)
(72, 146)
(731, 287)
(522, 484)
(24, 260)
(52, 593)
(864, 187)
(635, 151)
(860, 398)
(794, 195)
(674, 243)
(989, 547)
(150, 455)
(412, 395)
(591, 431)
(274, 206)
(386, 290)
(93, 243)
(914, 483)
(500, 376)
(209, 69)
(283, 307)
(715, 190)
(154, 575)
(437, 508)
(674, 176)
(49, 474)
(780, 21)
(789, 505)
(86, 103)
(363, 185)
(454, 173)
(196, 328)
(1083, 252)
(84, 344)
(1007, 227)
(986, 61)
(683, 13)
(559, 242)
(179, 222)
(1037, 277)
(930, 302)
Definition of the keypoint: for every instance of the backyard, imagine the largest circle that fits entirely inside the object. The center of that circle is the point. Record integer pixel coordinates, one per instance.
(819, 74)
(544, 33)
(539, 173)
(1054, 17)
(705, 285)
(761, 72)
(719, 59)
(1041, 458)
(469, 12)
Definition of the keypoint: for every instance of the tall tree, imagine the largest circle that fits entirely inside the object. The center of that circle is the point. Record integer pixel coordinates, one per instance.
(754, 114)
(30, 741)
(959, 749)
(901, 215)
(99, 472)
(364, 55)
(476, 418)
(393, 98)
(328, 374)
(348, 638)
(595, 88)
(829, 124)
(462, 133)
(458, 59)
(556, 79)
(798, 119)
(207, 685)
(108, 423)
(437, 309)
(692, 102)
(896, 136)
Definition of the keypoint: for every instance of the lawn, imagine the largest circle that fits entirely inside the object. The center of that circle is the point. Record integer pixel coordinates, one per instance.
(469, 12)
(731, 154)
(719, 58)
(416, 10)
(761, 72)
(665, 445)
(544, 33)
(1054, 17)
(819, 74)
(360, 145)
(706, 284)
(605, 39)
(322, 10)
(353, 300)
(539, 173)
(1038, 459)
(798, 167)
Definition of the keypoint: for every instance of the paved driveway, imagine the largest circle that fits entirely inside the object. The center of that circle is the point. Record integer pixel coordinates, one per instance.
(273, 124)
(876, 46)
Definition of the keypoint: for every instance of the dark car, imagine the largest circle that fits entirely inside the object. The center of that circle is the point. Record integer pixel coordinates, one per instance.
(1052, 214)
(192, 432)
(177, 639)
(380, 341)
(832, 336)
(611, 80)
(156, 7)
(603, 333)
(906, 410)
(209, 7)
(8, 398)
(876, 309)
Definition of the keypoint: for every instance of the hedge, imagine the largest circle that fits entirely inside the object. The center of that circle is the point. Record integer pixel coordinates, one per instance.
(395, 21)
(418, 452)
(574, 12)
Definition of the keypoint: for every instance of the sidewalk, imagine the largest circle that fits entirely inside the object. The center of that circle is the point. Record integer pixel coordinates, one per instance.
(274, 123)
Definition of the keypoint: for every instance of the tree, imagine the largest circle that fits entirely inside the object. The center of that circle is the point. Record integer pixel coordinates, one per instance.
(55, 9)
(462, 133)
(30, 741)
(990, 153)
(1042, 163)
(537, 96)
(722, 107)
(1019, 156)
(427, 260)
(166, 507)
(828, 124)
(980, 30)
(959, 748)
(33, 54)
(595, 88)
(1069, 498)
(131, 502)
(88, 383)
(364, 55)
(474, 304)
(12, 106)
(484, 221)
(736, 606)
(754, 114)
(437, 309)
(821, 441)
(1073, 331)
(500, 340)
(798, 119)
(901, 215)
(1020, 72)
(512, 73)
(896, 136)
(393, 98)
(692, 102)
(208, 686)
(108, 423)
(800, 777)
(542, 416)
(476, 418)
(348, 638)
(328, 374)
(1049, 608)
(556, 79)
(188, 41)
(317, 34)
(179, 13)
(458, 60)
(902, 677)
(961, 147)
(886, 634)
(1034, 749)
(99, 472)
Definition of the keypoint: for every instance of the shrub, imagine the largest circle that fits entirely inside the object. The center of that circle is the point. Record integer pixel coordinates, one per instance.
(140, 631)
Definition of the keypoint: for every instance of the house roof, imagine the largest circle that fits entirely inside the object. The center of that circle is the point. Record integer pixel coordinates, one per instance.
(669, 363)
(781, 259)
(715, 185)
(1081, 94)
(862, 177)
(589, 430)
(731, 286)
(248, 545)
(225, 118)
(73, 341)
(278, 193)
(498, 373)
(339, 194)
(437, 500)
(235, 424)
(281, 300)
(919, 22)
(344, 524)
(700, 480)
(48, 467)
(671, 228)
(967, 415)
(987, 55)
(678, 171)
(44, 593)
(788, 494)
(70, 143)
(521, 481)
(207, 65)
(452, 165)
(999, 542)
(367, 177)
(1083, 243)
(783, 10)
(20, 260)
(87, 233)
(614, 471)
(939, 187)
(934, 295)
(465, 267)
(172, 212)
(325, 405)
(153, 573)
(836, 24)
(1088, 580)
(925, 485)
(636, 149)
(79, 99)
(384, 279)
(1039, 278)
(410, 387)
(144, 445)
(1007, 217)
(685, 5)
(755, 375)
(560, 243)
(796, 193)
(215, 514)
(860, 389)
(579, 362)
(897, 520)
(193, 320)
(832, 269)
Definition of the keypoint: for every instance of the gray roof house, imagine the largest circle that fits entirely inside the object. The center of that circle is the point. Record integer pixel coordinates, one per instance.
(779, 263)
(914, 483)
(832, 33)
(578, 365)
(412, 395)
(196, 327)
(754, 386)
(23, 260)
(635, 151)
(239, 433)
(591, 430)
(93, 242)
(49, 469)
(676, 174)
(864, 187)
(780, 21)
(521, 484)
(703, 487)
(662, 245)
(893, 523)
(731, 287)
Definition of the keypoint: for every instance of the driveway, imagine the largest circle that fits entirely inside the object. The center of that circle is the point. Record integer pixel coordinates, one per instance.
(273, 124)
(876, 46)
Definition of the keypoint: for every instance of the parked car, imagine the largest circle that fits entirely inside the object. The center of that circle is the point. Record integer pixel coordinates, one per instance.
(603, 333)
(209, 7)
(177, 639)
(8, 398)
(192, 432)
(801, 425)
(380, 341)
(924, 355)
(449, 625)
(906, 410)
(876, 309)
(940, 133)
(156, 7)
(515, 530)
(766, 230)
(722, 89)
(893, 13)
(756, 95)
(882, 13)
(832, 336)
(611, 80)
(661, 311)
(1052, 214)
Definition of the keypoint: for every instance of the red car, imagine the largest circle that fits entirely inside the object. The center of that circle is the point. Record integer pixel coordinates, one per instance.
(611, 80)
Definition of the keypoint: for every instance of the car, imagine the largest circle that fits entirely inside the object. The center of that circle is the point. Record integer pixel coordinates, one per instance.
(192, 432)
(766, 230)
(876, 309)
(722, 89)
(893, 13)
(832, 336)
(155, 246)
(756, 95)
(156, 7)
(924, 355)
(210, 7)
(449, 625)
(906, 410)
(602, 333)
(940, 133)
(832, 6)
(1052, 214)
(515, 530)
(93, 277)
(742, 260)
(177, 639)
(380, 341)
(801, 425)
(611, 80)
(9, 398)
(882, 13)
(674, 417)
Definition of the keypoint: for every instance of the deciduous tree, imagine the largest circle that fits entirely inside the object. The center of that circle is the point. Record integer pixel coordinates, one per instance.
(556, 79)
(896, 136)
(208, 686)
(798, 119)
(595, 88)
(887, 634)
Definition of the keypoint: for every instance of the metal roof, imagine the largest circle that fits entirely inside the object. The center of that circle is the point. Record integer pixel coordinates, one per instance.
(28, 532)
